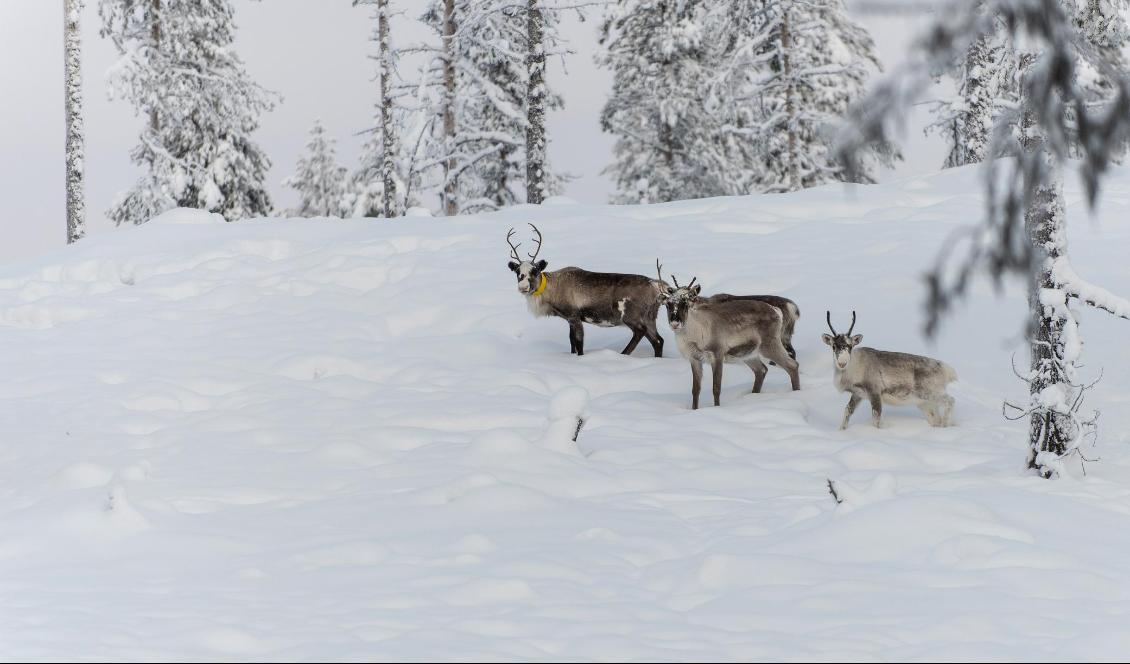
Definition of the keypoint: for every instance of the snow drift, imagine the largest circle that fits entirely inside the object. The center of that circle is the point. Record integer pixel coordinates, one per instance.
(305, 439)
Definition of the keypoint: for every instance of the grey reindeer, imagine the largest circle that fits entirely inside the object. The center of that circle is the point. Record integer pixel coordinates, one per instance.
(884, 377)
(729, 330)
(789, 311)
(604, 299)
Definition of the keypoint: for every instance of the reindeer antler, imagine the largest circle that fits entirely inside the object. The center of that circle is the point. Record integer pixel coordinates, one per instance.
(693, 279)
(537, 251)
(659, 269)
(513, 247)
(834, 332)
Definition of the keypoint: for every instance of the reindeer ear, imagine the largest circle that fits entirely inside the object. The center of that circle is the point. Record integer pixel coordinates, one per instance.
(696, 289)
(827, 338)
(856, 339)
(541, 265)
(513, 266)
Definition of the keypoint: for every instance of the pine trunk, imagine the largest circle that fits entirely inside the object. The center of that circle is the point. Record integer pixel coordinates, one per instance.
(535, 104)
(450, 187)
(75, 155)
(155, 36)
(388, 141)
(792, 158)
(1052, 427)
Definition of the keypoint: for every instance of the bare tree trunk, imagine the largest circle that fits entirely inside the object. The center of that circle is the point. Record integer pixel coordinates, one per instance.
(535, 103)
(790, 103)
(388, 138)
(155, 35)
(450, 187)
(1053, 427)
(75, 152)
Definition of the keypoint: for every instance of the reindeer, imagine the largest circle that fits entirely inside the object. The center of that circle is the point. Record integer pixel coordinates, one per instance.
(729, 330)
(893, 378)
(789, 311)
(579, 296)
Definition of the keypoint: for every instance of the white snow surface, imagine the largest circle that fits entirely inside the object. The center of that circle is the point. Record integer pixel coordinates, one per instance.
(327, 439)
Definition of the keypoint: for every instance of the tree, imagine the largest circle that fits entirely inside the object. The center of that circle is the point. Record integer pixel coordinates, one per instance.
(1074, 99)
(536, 97)
(75, 154)
(665, 148)
(987, 84)
(377, 188)
(178, 68)
(482, 101)
(818, 63)
(318, 179)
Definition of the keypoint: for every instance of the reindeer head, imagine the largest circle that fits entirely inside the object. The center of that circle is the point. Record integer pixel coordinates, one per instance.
(678, 299)
(529, 272)
(842, 343)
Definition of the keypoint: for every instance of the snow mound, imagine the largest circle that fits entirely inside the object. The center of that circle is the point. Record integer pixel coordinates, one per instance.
(297, 440)
(186, 217)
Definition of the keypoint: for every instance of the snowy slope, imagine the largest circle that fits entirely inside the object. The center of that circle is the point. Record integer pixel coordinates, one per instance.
(332, 439)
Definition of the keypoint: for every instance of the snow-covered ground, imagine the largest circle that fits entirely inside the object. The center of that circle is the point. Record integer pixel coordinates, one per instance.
(344, 439)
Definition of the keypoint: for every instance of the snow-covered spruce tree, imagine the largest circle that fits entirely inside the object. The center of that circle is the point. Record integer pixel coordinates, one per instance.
(179, 70)
(75, 155)
(481, 137)
(986, 83)
(666, 147)
(1061, 111)
(819, 61)
(319, 181)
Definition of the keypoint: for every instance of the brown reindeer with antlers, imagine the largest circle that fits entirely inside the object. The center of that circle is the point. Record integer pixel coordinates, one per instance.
(883, 377)
(579, 296)
(725, 330)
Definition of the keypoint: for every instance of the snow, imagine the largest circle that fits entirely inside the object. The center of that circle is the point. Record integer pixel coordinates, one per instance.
(348, 439)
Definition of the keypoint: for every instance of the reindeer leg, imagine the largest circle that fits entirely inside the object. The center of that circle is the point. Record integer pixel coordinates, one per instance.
(716, 370)
(576, 337)
(851, 404)
(654, 338)
(787, 338)
(775, 350)
(945, 417)
(930, 410)
(876, 409)
(759, 371)
(696, 382)
(637, 334)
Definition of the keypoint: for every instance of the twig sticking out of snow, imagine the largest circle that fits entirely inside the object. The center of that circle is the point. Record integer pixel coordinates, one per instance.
(580, 425)
(832, 490)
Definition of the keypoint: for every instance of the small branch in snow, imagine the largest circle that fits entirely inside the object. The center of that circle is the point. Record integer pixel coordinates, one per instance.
(577, 431)
(832, 490)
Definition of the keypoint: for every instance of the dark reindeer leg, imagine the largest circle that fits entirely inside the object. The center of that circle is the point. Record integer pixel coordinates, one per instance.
(696, 382)
(716, 369)
(576, 337)
(637, 334)
(654, 338)
(759, 371)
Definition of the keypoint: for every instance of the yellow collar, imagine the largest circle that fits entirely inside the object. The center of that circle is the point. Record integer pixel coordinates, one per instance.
(541, 285)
